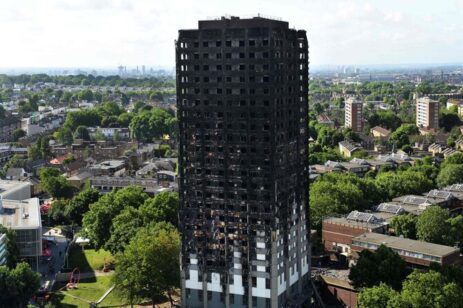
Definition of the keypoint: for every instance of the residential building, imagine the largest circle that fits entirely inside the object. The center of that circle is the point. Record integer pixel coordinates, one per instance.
(416, 253)
(105, 184)
(24, 218)
(108, 167)
(121, 133)
(7, 152)
(3, 249)
(427, 113)
(348, 148)
(456, 103)
(7, 127)
(380, 132)
(354, 114)
(337, 232)
(243, 173)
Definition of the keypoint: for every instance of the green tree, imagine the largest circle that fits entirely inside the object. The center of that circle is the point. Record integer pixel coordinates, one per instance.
(387, 119)
(383, 265)
(450, 174)
(81, 132)
(84, 117)
(149, 266)
(397, 183)
(64, 135)
(404, 225)
(449, 120)
(124, 227)
(86, 95)
(57, 212)
(376, 296)
(430, 289)
(97, 221)
(163, 207)
(432, 226)
(18, 285)
(55, 184)
(80, 204)
(18, 133)
(400, 136)
(340, 193)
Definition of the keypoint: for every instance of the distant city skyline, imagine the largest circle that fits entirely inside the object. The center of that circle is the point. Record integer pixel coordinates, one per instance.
(108, 33)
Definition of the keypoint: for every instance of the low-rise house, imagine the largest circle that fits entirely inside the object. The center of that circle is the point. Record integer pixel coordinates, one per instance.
(337, 232)
(110, 132)
(415, 253)
(380, 132)
(105, 184)
(166, 177)
(348, 148)
(438, 149)
(7, 152)
(108, 167)
(324, 119)
(17, 174)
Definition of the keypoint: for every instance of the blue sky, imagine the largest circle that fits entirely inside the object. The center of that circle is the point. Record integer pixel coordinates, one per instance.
(106, 33)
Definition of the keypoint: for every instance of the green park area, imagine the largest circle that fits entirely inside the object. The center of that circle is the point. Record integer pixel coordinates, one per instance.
(87, 292)
(88, 260)
(89, 289)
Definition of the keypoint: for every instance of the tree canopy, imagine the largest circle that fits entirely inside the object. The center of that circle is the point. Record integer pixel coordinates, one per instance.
(55, 184)
(18, 285)
(149, 266)
(97, 222)
(340, 193)
(381, 266)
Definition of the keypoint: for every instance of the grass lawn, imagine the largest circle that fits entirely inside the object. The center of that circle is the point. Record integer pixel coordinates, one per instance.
(88, 260)
(88, 292)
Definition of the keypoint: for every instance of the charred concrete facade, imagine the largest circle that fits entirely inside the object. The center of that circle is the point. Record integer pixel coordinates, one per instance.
(243, 169)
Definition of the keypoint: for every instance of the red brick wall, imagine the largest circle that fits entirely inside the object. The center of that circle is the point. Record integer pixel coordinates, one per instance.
(345, 296)
(334, 233)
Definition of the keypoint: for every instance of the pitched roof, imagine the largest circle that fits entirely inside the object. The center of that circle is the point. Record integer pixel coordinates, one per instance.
(381, 130)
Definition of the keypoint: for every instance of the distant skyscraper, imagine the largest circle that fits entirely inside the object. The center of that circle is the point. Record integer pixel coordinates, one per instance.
(243, 169)
(354, 114)
(427, 113)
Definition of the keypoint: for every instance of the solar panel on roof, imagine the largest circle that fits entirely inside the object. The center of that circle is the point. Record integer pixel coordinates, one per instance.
(360, 216)
(390, 208)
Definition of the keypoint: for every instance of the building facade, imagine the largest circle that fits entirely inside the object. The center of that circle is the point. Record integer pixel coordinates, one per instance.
(427, 113)
(243, 169)
(354, 114)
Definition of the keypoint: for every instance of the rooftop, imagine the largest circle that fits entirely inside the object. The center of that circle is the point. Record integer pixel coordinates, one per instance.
(10, 186)
(23, 214)
(400, 243)
(237, 22)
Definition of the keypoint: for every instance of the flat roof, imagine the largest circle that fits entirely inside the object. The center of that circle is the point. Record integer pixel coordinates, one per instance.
(352, 223)
(401, 243)
(19, 215)
(7, 186)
